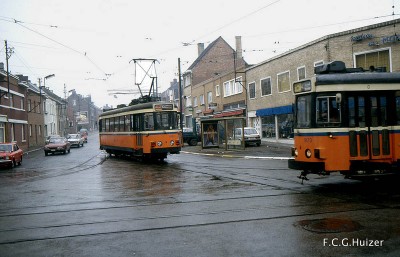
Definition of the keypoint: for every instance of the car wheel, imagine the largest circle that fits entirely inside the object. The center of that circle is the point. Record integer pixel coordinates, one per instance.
(65, 151)
(79, 145)
(82, 144)
(258, 144)
(20, 162)
(69, 150)
(46, 153)
(192, 142)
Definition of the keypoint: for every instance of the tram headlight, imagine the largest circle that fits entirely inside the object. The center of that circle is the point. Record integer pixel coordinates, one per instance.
(308, 153)
(159, 143)
(295, 152)
(172, 142)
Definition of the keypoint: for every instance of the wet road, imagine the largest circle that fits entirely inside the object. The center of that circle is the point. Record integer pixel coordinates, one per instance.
(85, 204)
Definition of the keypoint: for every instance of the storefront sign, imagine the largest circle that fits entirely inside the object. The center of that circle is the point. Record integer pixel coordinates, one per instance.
(390, 39)
(361, 37)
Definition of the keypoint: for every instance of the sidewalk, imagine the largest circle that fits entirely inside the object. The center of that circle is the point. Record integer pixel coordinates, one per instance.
(270, 148)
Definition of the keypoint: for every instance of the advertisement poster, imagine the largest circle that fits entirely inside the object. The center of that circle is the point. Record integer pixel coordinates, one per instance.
(82, 118)
(210, 134)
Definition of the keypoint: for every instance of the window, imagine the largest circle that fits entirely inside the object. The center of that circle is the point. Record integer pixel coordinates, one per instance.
(318, 63)
(29, 105)
(74, 102)
(327, 110)
(301, 73)
(195, 101)
(11, 99)
(188, 101)
(284, 82)
(252, 90)
(209, 97)
(217, 90)
(30, 130)
(23, 132)
(232, 88)
(303, 111)
(266, 86)
(187, 80)
(39, 130)
(148, 121)
(12, 132)
(201, 99)
(375, 59)
(22, 103)
(34, 106)
(398, 107)
(227, 88)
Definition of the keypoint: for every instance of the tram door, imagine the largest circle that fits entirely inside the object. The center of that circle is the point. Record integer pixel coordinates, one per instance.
(369, 132)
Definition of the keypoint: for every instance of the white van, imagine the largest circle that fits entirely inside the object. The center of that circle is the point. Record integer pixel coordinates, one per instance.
(251, 136)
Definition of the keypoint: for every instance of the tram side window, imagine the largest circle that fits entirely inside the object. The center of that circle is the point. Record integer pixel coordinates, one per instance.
(327, 110)
(111, 124)
(398, 107)
(148, 121)
(116, 124)
(163, 121)
(303, 111)
(107, 125)
(352, 112)
(127, 123)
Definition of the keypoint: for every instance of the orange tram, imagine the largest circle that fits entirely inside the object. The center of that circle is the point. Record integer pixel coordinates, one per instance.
(347, 121)
(147, 131)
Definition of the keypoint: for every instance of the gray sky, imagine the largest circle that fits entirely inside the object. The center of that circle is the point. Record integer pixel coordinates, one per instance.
(88, 44)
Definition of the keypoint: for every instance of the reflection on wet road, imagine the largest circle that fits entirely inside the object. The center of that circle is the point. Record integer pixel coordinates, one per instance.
(86, 204)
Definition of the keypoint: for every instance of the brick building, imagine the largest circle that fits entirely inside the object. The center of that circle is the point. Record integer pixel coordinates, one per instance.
(13, 116)
(203, 81)
(269, 83)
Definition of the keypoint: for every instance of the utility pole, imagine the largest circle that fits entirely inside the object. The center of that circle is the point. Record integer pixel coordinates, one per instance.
(180, 94)
(8, 55)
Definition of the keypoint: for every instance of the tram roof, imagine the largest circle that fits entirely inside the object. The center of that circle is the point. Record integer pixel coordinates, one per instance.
(358, 78)
(135, 107)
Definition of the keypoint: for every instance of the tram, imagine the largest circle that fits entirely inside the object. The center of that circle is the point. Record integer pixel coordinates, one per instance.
(146, 130)
(348, 121)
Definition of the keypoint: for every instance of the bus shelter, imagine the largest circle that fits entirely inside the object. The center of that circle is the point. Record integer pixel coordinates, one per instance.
(223, 133)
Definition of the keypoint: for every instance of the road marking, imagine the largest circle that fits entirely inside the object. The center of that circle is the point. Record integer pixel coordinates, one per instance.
(238, 156)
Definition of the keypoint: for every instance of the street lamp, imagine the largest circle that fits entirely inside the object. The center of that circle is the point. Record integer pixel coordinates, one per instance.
(47, 77)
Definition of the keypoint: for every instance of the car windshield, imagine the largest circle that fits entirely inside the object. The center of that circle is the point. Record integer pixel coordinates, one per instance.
(56, 141)
(73, 136)
(251, 131)
(5, 148)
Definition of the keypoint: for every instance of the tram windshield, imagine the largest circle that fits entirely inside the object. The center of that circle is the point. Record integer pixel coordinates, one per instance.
(303, 111)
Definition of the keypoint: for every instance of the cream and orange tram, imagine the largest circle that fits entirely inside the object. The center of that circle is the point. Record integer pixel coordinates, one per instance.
(347, 121)
(147, 130)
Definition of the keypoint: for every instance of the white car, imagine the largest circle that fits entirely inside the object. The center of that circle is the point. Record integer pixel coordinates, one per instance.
(75, 140)
(250, 136)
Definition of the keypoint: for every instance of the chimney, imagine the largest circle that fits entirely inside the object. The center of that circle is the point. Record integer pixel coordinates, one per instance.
(238, 47)
(200, 48)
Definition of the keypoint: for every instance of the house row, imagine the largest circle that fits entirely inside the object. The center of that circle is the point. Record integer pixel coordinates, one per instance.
(29, 113)
(220, 83)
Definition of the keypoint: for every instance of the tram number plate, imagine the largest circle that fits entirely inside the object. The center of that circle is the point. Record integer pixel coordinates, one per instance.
(307, 139)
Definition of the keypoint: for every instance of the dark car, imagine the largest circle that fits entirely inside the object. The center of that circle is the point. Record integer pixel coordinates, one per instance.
(10, 154)
(191, 137)
(57, 145)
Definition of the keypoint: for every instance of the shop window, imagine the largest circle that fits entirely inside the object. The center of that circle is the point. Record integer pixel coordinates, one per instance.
(370, 60)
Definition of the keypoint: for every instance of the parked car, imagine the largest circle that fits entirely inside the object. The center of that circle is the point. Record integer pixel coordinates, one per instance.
(57, 145)
(10, 154)
(50, 137)
(251, 135)
(75, 140)
(191, 137)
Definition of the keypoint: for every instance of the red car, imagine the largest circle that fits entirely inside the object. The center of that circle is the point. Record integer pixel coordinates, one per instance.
(57, 145)
(10, 154)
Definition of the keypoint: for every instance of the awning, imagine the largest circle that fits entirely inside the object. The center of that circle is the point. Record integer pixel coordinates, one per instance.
(275, 111)
(208, 111)
(229, 113)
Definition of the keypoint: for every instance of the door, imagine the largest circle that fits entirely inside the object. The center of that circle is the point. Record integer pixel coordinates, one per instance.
(369, 129)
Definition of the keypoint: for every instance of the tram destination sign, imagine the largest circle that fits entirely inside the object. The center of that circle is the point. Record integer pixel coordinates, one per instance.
(163, 107)
(302, 86)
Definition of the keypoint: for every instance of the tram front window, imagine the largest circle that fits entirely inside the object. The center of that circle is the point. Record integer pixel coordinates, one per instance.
(303, 111)
(166, 121)
(328, 111)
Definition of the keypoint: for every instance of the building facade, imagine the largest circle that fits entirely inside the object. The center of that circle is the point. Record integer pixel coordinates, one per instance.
(13, 115)
(269, 83)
